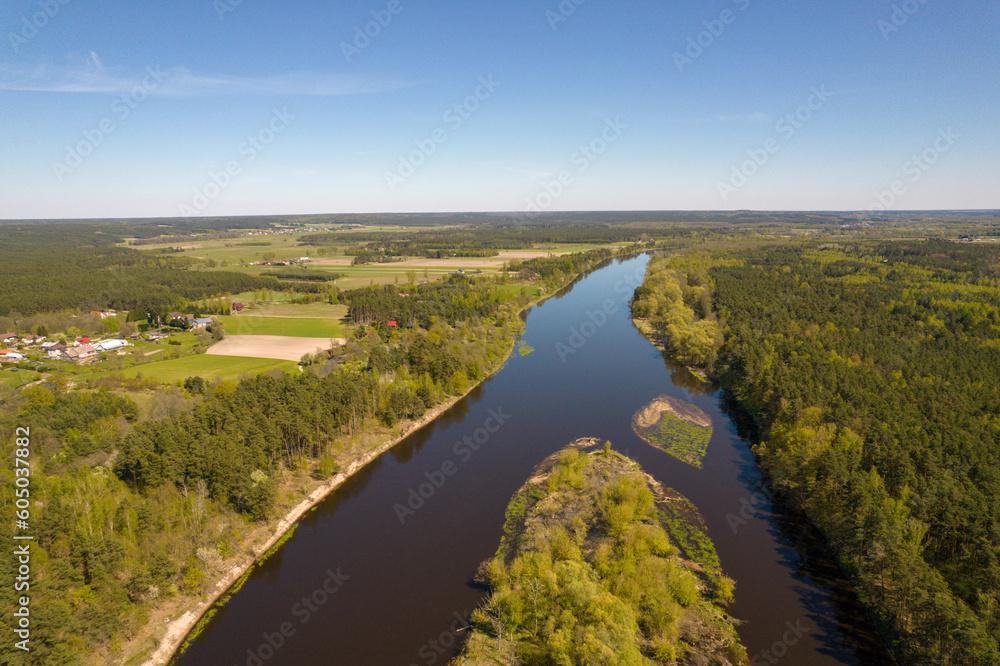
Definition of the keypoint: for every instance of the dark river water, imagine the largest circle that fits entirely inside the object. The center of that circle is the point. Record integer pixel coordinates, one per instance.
(379, 575)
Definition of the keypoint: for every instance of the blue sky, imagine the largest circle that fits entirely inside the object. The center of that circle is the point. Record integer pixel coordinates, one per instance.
(125, 109)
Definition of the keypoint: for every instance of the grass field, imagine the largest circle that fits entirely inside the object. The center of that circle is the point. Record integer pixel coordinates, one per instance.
(310, 311)
(209, 367)
(298, 327)
(15, 378)
(518, 289)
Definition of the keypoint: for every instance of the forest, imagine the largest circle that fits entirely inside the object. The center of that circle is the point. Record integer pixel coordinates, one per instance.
(142, 508)
(48, 268)
(872, 374)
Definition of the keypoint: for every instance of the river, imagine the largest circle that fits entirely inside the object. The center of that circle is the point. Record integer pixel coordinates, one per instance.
(379, 575)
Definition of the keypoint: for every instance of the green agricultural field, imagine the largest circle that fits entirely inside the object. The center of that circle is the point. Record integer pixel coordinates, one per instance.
(298, 311)
(296, 327)
(234, 250)
(233, 254)
(209, 367)
(362, 276)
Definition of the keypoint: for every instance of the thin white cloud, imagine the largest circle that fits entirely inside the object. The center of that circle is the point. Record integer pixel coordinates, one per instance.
(181, 82)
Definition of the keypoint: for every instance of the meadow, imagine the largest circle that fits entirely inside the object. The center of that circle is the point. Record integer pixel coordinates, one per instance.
(208, 367)
(299, 327)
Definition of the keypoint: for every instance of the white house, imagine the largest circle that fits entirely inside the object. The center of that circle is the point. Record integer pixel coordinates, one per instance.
(110, 345)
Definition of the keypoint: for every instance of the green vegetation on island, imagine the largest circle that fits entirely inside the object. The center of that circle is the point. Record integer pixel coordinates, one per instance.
(599, 564)
(677, 427)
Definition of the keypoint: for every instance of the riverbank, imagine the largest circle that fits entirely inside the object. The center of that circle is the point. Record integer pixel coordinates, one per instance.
(177, 631)
(264, 539)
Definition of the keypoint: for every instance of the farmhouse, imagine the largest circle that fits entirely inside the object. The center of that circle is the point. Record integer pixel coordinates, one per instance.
(55, 349)
(202, 323)
(79, 354)
(8, 337)
(10, 355)
(238, 306)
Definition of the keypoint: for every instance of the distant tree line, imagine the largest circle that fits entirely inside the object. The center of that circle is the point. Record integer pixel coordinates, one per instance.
(49, 268)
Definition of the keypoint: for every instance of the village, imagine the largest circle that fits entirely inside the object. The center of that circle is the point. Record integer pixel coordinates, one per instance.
(18, 348)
